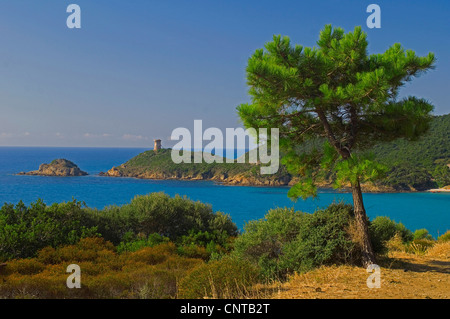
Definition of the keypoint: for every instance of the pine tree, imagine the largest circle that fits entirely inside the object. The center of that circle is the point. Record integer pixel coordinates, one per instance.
(332, 103)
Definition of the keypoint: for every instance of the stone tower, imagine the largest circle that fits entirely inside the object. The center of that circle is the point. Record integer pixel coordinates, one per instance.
(157, 146)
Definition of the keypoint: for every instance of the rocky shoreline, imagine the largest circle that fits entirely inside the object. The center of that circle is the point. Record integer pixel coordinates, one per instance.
(158, 165)
(239, 180)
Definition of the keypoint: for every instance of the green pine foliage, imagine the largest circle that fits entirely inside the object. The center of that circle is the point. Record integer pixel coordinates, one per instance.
(338, 95)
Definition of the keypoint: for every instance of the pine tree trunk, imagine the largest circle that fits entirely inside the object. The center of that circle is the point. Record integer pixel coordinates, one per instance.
(368, 257)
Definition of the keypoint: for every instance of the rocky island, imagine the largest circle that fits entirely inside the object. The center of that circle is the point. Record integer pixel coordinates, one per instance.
(58, 167)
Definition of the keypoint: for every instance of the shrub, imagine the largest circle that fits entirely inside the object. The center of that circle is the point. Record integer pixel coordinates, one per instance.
(40, 285)
(395, 243)
(171, 217)
(441, 249)
(205, 238)
(419, 246)
(144, 222)
(286, 241)
(422, 234)
(263, 240)
(133, 244)
(87, 249)
(444, 237)
(25, 230)
(225, 278)
(382, 229)
(161, 284)
(153, 255)
(24, 267)
(152, 272)
(193, 251)
(323, 239)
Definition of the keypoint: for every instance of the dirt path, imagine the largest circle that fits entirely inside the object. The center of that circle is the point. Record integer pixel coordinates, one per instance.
(402, 276)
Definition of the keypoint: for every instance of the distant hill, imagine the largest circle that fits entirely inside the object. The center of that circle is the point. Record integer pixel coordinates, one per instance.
(432, 149)
(151, 165)
(418, 165)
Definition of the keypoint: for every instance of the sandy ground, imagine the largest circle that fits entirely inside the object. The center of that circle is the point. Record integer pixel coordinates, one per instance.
(403, 276)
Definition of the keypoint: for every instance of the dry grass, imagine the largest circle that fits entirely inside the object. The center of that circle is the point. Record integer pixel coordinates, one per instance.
(440, 250)
(239, 291)
(156, 273)
(403, 276)
(152, 272)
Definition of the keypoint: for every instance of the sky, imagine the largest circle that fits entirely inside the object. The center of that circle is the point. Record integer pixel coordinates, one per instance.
(136, 70)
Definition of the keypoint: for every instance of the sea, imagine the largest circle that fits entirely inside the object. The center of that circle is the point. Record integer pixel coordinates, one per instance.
(243, 203)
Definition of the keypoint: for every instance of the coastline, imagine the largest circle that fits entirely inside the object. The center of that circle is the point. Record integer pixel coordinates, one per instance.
(367, 188)
(157, 165)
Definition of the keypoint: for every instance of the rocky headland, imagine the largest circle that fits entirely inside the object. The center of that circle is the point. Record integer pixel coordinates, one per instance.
(159, 166)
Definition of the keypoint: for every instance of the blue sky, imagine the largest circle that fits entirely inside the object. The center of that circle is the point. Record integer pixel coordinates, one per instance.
(136, 70)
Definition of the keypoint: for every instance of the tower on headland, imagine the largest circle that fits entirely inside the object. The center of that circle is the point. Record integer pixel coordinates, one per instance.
(157, 146)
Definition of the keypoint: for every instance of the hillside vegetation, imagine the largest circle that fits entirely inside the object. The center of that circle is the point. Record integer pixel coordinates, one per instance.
(159, 165)
(170, 247)
(417, 165)
(421, 164)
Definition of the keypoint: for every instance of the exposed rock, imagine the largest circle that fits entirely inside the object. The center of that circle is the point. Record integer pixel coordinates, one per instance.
(159, 166)
(113, 172)
(58, 167)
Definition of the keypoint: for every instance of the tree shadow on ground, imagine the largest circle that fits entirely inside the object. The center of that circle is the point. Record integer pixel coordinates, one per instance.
(414, 265)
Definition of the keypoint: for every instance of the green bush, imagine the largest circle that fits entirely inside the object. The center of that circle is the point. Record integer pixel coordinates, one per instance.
(25, 230)
(171, 217)
(205, 238)
(324, 239)
(193, 251)
(382, 229)
(263, 240)
(422, 234)
(286, 241)
(132, 243)
(225, 278)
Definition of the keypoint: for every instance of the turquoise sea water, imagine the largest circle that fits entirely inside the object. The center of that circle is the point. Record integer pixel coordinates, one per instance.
(415, 210)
